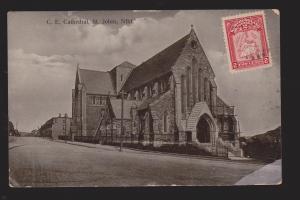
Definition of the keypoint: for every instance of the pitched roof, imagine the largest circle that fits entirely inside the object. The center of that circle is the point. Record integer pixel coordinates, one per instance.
(124, 64)
(156, 66)
(97, 82)
(117, 107)
(220, 102)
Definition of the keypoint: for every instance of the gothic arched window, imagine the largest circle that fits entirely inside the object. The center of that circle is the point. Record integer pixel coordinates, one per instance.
(194, 80)
(183, 94)
(188, 79)
(165, 121)
(206, 89)
(211, 95)
(199, 84)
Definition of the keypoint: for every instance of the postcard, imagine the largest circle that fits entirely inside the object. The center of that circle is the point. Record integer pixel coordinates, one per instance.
(144, 98)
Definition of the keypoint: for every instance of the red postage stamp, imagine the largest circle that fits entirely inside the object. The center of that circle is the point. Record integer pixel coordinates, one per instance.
(246, 41)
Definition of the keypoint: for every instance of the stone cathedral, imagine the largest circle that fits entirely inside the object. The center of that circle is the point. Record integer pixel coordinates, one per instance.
(171, 98)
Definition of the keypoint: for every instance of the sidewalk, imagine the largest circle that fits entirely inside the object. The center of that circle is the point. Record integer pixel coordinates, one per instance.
(133, 150)
(268, 175)
(90, 145)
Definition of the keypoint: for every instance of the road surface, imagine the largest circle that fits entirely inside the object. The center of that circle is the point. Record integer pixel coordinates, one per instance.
(39, 162)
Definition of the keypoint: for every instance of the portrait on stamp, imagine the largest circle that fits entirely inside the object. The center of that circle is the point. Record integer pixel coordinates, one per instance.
(246, 39)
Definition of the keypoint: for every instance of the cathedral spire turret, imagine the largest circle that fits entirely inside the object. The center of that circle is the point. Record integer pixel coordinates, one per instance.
(192, 28)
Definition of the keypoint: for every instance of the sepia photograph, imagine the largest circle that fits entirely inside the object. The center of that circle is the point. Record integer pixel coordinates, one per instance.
(135, 98)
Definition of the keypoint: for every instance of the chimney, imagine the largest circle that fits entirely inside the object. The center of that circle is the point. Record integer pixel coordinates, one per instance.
(59, 115)
(66, 115)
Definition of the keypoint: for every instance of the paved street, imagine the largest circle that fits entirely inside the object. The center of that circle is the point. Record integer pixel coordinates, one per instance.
(41, 162)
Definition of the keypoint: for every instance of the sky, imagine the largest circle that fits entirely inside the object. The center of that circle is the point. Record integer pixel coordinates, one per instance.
(42, 59)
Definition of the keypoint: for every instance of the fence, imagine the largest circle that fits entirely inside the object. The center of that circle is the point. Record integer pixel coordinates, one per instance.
(221, 148)
(87, 139)
(116, 138)
(64, 137)
(135, 138)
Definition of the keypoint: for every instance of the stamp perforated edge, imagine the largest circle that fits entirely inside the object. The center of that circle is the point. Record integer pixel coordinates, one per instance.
(260, 12)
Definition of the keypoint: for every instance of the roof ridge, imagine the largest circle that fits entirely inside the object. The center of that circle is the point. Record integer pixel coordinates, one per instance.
(157, 65)
(168, 47)
(126, 61)
(97, 82)
(93, 70)
(122, 63)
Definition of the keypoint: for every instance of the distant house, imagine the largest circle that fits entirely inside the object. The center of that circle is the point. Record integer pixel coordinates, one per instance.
(56, 126)
(34, 132)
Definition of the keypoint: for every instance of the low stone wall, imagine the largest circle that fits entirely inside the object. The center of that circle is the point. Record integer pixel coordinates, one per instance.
(64, 137)
(112, 137)
(186, 149)
(151, 139)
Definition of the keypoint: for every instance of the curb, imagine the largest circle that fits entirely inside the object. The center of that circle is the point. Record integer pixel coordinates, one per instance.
(197, 156)
(15, 146)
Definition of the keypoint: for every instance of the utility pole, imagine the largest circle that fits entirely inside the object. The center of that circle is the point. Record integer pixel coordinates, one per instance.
(122, 113)
(106, 116)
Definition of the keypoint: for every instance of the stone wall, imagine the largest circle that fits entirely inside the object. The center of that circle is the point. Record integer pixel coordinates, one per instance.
(127, 126)
(192, 57)
(165, 104)
(135, 121)
(94, 112)
(93, 115)
(77, 116)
